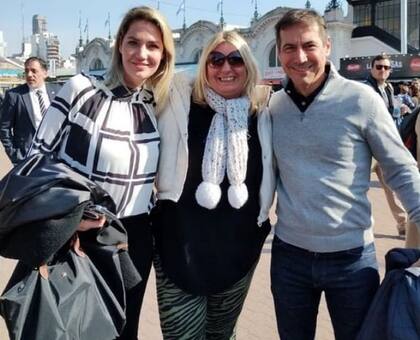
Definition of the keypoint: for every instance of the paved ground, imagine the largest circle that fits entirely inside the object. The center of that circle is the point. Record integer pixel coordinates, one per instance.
(257, 321)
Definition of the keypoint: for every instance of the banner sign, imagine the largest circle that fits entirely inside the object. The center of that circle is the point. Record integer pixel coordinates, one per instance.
(403, 66)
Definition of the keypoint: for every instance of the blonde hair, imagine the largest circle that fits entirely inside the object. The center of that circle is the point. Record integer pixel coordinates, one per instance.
(241, 45)
(160, 81)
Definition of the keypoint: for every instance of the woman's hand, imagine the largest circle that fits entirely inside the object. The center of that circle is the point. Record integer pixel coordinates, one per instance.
(85, 225)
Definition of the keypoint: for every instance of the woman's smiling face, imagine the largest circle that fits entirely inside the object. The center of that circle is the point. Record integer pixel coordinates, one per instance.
(141, 52)
(227, 80)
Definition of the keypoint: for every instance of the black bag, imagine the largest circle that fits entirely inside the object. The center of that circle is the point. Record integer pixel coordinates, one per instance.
(68, 300)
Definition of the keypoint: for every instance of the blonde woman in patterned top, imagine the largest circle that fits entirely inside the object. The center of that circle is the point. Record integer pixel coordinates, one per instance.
(108, 132)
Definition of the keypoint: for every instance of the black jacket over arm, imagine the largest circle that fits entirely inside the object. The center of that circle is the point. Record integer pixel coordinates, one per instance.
(41, 206)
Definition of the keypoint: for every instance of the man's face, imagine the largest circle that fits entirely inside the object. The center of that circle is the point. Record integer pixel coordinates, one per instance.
(381, 70)
(303, 54)
(35, 75)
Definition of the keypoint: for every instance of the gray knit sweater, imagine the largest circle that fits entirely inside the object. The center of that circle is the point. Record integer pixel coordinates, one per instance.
(324, 158)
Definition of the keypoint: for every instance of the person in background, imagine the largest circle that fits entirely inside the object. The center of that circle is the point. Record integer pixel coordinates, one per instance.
(215, 186)
(378, 79)
(108, 131)
(23, 108)
(405, 96)
(379, 74)
(415, 91)
(326, 129)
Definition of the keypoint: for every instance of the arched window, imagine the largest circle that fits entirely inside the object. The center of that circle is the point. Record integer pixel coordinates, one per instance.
(273, 61)
(96, 65)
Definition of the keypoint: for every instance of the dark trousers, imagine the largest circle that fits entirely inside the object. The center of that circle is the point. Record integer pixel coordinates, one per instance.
(140, 248)
(348, 278)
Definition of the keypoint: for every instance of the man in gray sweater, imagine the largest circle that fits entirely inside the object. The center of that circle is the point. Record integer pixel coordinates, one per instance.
(326, 129)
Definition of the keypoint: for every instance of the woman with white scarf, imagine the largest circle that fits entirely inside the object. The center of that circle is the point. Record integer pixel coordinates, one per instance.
(215, 186)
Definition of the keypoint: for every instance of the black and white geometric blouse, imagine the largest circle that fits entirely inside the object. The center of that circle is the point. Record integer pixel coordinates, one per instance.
(110, 136)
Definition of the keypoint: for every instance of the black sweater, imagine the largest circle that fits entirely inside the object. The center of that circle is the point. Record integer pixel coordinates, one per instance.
(207, 251)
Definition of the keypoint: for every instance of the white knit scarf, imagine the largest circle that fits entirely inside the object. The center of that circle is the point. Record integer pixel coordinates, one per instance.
(226, 148)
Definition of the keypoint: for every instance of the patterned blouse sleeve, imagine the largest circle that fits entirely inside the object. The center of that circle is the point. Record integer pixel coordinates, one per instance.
(54, 124)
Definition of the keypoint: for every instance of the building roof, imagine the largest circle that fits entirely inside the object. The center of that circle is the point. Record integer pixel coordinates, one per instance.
(7, 63)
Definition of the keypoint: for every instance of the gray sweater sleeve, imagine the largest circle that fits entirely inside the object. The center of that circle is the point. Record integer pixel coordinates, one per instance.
(398, 166)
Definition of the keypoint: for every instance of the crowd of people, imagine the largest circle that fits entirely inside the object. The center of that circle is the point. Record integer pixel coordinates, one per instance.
(193, 165)
(409, 93)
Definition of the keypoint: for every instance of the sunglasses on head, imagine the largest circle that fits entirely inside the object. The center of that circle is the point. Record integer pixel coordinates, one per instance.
(217, 59)
(385, 67)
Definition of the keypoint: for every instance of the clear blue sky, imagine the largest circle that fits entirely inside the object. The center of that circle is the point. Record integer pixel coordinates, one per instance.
(63, 16)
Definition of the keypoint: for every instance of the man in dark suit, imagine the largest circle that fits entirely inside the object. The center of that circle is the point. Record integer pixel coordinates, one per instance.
(22, 109)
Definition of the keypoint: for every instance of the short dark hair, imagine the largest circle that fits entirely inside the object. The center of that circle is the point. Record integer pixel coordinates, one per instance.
(301, 16)
(382, 56)
(41, 62)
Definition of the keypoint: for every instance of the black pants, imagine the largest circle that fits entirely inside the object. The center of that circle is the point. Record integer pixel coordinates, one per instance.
(140, 248)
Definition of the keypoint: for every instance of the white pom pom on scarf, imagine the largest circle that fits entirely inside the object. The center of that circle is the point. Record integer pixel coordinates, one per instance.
(208, 195)
(237, 195)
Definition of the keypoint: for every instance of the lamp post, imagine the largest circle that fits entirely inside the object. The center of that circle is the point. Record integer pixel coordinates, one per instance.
(403, 21)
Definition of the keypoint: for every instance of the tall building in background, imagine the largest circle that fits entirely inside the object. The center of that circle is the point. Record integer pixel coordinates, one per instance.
(3, 45)
(53, 48)
(45, 45)
(39, 24)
